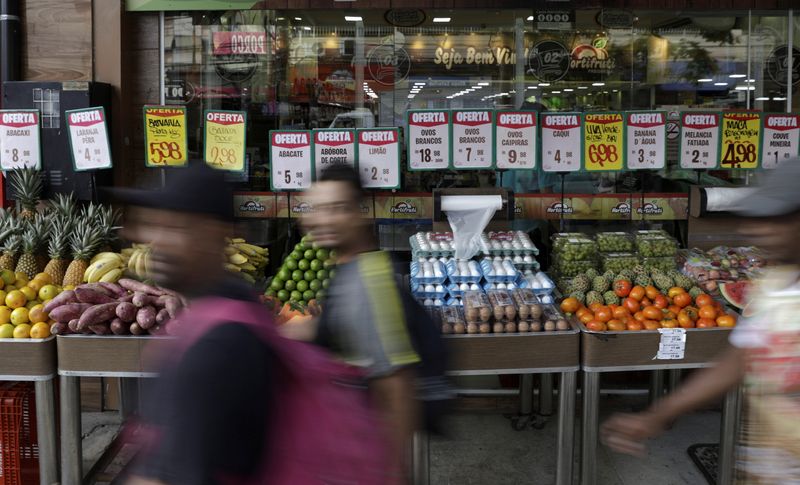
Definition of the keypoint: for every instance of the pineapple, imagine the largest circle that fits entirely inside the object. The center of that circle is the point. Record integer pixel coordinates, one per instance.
(8, 261)
(63, 205)
(27, 262)
(107, 220)
(26, 184)
(83, 243)
(58, 248)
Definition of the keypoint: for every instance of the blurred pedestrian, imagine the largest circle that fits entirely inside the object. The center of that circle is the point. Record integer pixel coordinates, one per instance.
(765, 352)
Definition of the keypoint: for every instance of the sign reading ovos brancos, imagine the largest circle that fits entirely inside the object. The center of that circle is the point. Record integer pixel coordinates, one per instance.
(379, 158)
(741, 140)
(165, 140)
(699, 147)
(333, 147)
(428, 140)
(515, 140)
(781, 138)
(225, 133)
(88, 139)
(562, 142)
(19, 139)
(290, 160)
(646, 137)
(604, 141)
(473, 142)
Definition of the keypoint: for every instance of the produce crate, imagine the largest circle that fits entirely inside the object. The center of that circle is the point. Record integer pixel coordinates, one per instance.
(27, 359)
(109, 355)
(602, 351)
(19, 451)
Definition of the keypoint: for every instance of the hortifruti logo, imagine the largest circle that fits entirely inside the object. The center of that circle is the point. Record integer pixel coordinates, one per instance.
(621, 208)
(651, 209)
(560, 208)
(303, 208)
(252, 206)
(404, 207)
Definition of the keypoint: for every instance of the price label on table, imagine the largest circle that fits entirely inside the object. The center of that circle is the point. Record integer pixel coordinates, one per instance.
(20, 139)
(428, 139)
(699, 145)
(88, 139)
(165, 137)
(741, 140)
(562, 142)
(672, 344)
(646, 140)
(379, 158)
(290, 160)
(781, 139)
(333, 147)
(225, 133)
(603, 141)
(473, 143)
(515, 140)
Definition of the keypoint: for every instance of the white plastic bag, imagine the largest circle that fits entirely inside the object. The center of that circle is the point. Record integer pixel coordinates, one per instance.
(468, 216)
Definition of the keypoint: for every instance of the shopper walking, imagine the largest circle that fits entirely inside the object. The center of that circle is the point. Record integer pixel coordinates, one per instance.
(765, 352)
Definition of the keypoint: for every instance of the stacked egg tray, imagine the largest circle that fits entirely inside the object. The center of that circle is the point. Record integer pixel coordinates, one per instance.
(515, 245)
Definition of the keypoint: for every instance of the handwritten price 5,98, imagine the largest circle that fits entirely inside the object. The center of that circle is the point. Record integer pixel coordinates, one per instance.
(163, 152)
(602, 153)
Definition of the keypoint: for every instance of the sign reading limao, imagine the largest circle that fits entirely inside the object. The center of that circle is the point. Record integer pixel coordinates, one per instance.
(700, 134)
(88, 139)
(781, 138)
(379, 158)
(225, 133)
(515, 140)
(428, 140)
(603, 141)
(562, 142)
(646, 140)
(741, 140)
(20, 139)
(165, 140)
(473, 142)
(290, 159)
(333, 147)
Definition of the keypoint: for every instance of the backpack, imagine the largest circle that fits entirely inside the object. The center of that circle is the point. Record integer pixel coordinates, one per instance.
(324, 431)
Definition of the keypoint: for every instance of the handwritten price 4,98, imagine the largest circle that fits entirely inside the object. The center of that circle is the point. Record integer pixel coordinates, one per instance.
(602, 153)
(163, 152)
(738, 153)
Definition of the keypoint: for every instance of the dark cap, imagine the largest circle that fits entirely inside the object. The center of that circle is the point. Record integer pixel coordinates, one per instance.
(197, 189)
(777, 194)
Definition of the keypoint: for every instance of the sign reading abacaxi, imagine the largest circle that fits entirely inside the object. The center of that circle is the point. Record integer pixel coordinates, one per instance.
(20, 139)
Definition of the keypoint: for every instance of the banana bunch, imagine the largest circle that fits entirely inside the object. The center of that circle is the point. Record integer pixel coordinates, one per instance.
(246, 259)
(138, 263)
(106, 267)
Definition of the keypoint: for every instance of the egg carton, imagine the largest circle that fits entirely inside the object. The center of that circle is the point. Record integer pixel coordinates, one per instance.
(454, 301)
(428, 290)
(499, 272)
(508, 244)
(546, 299)
(457, 272)
(539, 282)
(427, 244)
(431, 302)
(500, 286)
(428, 273)
(458, 289)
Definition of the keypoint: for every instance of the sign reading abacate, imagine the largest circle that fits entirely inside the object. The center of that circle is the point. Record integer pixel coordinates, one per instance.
(20, 139)
(646, 140)
(379, 158)
(562, 142)
(290, 160)
(473, 139)
(333, 147)
(699, 147)
(781, 139)
(88, 139)
(428, 140)
(515, 140)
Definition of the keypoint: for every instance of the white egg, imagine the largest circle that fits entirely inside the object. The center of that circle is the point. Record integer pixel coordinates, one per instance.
(427, 274)
(437, 302)
(430, 288)
(536, 285)
(444, 260)
(547, 299)
(428, 302)
(518, 260)
(475, 273)
(511, 286)
(463, 287)
(439, 289)
(501, 286)
(528, 272)
(527, 259)
(496, 245)
(434, 246)
(474, 287)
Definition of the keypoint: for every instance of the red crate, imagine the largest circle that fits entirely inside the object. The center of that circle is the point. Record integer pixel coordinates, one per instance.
(19, 449)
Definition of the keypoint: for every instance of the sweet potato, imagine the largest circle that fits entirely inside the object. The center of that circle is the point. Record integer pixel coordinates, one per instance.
(171, 303)
(118, 327)
(97, 287)
(73, 325)
(142, 300)
(134, 285)
(146, 317)
(100, 328)
(90, 295)
(128, 298)
(62, 298)
(126, 312)
(116, 290)
(65, 313)
(157, 330)
(98, 314)
(162, 316)
(59, 328)
(136, 329)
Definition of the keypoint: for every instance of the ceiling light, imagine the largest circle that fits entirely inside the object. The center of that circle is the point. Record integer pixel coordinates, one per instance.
(745, 88)
(737, 76)
(530, 17)
(750, 81)
(533, 87)
(568, 90)
(605, 92)
(705, 80)
(762, 98)
(779, 99)
(353, 18)
(555, 92)
(306, 27)
(483, 84)
(442, 20)
(598, 84)
(543, 85)
(280, 18)
(298, 18)
(720, 84)
(582, 87)
(419, 84)
(614, 90)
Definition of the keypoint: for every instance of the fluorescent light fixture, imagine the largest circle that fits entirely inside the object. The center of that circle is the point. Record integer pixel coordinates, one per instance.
(306, 27)
(720, 84)
(530, 17)
(737, 76)
(555, 92)
(762, 98)
(353, 18)
(543, 85)
(298, 18)
(568, 90)
(419, 84)
(280, 18)
(705, 80)
(745, 88)
(750, 81)
(483, 84)
(598, 84)
(583, 87)
(442, 20)
(614, 90)
(779, 99)
(605, 92)
(533, 87)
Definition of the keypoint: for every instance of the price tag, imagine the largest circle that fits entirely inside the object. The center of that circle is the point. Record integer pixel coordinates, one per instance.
(646, 140)
(225, 133)
(741, 140)
(473, 139)
(333, 147)
(428, 140)
(699, 140)
(781, 139)
(515, 139)
(379, 158)
(603, 146)
(19, 139)
(562, 142)
(672, 344)
(88, 139)
(165, 137)
(290, 160)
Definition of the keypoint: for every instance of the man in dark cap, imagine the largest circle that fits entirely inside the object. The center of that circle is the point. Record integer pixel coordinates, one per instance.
(764, 354)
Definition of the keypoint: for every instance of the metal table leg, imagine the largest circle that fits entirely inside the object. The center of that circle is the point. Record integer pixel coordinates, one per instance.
(590, 423)
(128, 396)
(526, 394)
(421, 458)
(546, 394)
(656, 385)
(566, 427)
(727, 440)
(71, 453)
(673, 379)
(46, 430)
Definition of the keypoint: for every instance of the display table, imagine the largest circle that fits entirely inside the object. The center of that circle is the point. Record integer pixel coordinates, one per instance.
(636, 351)
(34, 360)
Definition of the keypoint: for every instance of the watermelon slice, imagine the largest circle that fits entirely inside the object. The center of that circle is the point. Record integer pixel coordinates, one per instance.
(735, 293)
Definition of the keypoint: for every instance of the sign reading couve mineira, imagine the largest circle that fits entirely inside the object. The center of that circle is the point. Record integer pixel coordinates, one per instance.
(473, 140)
(780, 139)
(19, 139)
(379, 158)
(290, 159)
(428, 140)
(88, 139)
(333, 147)
(515, 139)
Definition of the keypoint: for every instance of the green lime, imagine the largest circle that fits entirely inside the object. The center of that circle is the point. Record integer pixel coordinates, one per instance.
(297, 275)
(316, 265)
(283, 295)
(296, 255)
(291, 264)
(290, 285)
(309, 295)
(315, 285)
(326, 283)
(310, 254)
(310, 275)
(320, 294)
(302, 285)
(276, 284)
(295, 296)
(270, 292)
(284, 274)
(303, 264)
(328, 264)
(300, 247)
(323, 254)
(322, 274)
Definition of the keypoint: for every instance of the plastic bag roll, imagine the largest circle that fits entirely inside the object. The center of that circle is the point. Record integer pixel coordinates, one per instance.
(721, 199)
(471, 202)
(468, 216)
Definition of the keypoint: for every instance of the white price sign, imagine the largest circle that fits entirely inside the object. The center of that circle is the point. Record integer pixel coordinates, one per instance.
(699, 147)
(19, 139)
(290, 160)
(473, 142)
(515, 139)
(562, 142)
(781, 139)
(646, 140)
(379, 158)
(672, 344)
(428, 140)
(333, 147)
(88, 139)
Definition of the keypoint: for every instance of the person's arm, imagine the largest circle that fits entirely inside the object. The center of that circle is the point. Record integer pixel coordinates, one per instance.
(627, 432)
(394, 397)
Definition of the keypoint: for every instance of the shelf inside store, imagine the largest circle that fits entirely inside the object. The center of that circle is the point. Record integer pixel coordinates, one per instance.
(27, 359)
(123, 355)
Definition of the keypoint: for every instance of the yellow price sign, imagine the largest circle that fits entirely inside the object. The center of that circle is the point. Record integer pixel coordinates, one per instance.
(165, 136)
(741, 140)
(225, 139)
(604, 138)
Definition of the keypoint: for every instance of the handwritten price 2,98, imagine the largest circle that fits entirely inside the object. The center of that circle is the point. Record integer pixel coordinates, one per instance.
(163, 152)
(602, 153)
(222, 156)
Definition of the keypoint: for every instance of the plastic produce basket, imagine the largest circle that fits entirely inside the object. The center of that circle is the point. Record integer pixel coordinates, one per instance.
(19, 450)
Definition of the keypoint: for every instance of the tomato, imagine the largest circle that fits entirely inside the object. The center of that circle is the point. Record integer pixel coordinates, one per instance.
(684, 320)
(603, 314)
(596, 326)
(646, 302)
(703, 300)
(570, 305)
(651, 292)
(670, 323)
(651, 325)
(682, 299)
(587, 317)
(639, 316)
(622, 288)
(631, 304)
(634, 325)
(582, 311)
(692, 312)
(620, 312)
(616, 326)
(709, 312)
(593, 307)
(706, 323)
(668, 315)
(675, 291)
(674, 309)
(637, 293)
(652, 313)
(661, 302)
(726, 321)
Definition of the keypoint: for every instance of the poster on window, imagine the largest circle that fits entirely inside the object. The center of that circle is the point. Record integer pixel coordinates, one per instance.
(290, 159)
(781, 138)
(741, 140)
(379, 158)
(562, 142)
(225, 134)
(646, 139)
(699, 145)
(428, 139)
(333, 147)
(515, 140)
(604, 141)
(20, 145)
(165, 136)
(88, 139)
(473, 142)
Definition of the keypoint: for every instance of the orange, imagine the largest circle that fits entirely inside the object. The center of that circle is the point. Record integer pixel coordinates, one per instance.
(35, 285)
(726, 321)
(22, 330)
(30, 293)
(709, 312)
(675, 291)
(596, 326)
(5, 315)
(651, 292)
(603, 314)
(616, 326)
(703, 300)
(45, 278)
(40, 330)
(48, 292)
(634, 325)
(37, 314)
(19, 316)
(651, 325)
(16, 299)
(706, 323)
(661, 302)
(570, 305)
(652, 313)
(637, 293)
